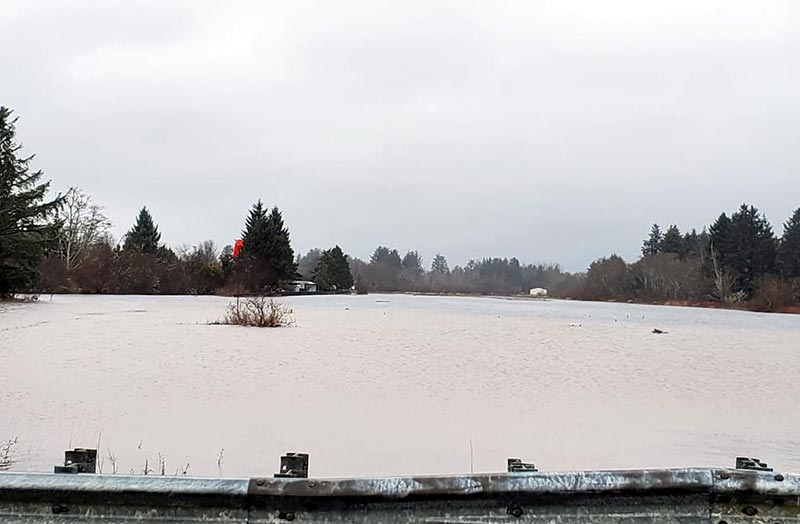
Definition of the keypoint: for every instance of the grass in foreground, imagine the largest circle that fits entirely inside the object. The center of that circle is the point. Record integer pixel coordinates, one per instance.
(7, 454)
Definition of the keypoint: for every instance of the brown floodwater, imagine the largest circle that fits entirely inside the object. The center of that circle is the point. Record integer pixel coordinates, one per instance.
(385, 385)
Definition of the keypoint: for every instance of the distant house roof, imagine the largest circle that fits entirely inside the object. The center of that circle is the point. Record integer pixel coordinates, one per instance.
(305, 282)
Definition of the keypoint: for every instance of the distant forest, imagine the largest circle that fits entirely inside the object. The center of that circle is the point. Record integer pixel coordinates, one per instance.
(63, 245)
(737, 261)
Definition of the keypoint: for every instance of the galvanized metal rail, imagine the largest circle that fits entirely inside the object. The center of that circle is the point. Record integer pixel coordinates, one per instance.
(688, 495)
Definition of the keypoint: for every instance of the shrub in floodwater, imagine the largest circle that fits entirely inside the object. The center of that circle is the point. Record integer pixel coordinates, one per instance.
(257, 312)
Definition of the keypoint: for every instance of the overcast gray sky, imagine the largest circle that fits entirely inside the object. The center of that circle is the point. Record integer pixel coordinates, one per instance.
(551, 131)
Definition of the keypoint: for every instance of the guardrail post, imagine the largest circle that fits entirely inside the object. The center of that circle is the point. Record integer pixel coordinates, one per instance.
(516, 465)
(294, 465)
(79, 460)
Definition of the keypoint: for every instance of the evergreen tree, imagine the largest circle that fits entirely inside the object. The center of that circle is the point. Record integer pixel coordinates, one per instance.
(267, 256)
(281, 254)
(412, 263)
(696, 243)
(384, 270)
(752, 247)
(333, 270)
(388, 257)
(143, 236)
(24, 212)
(789, 247)
(514, 273)
(226, 261)
(673, 241)
(652, 246)
(255, 238)
(251, 267)
(439, 265)
(691, 242)
(721, 239)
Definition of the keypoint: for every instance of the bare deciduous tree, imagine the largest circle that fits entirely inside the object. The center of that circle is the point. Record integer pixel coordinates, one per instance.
(82, 224)
(723, 281)
(206, 252)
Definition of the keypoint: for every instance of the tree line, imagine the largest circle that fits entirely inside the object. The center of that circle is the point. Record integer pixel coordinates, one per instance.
(738, 259)
(63, 244)
(141, 264)
(388, 271)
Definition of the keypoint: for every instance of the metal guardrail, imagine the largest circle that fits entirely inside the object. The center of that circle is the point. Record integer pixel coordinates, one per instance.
(686, 495)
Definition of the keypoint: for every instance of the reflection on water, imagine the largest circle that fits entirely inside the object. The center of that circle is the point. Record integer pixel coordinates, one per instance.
(398, 385)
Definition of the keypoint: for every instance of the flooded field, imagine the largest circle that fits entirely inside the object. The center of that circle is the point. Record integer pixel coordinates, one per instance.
(383, 385)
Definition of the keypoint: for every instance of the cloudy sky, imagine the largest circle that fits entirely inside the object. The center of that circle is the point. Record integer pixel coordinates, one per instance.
(551, 131)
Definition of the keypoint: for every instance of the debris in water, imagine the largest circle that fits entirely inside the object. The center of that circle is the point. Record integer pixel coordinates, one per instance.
(657, 331)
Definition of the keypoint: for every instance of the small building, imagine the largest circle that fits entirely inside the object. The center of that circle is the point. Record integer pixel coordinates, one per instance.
(302, 286)
(539, 292)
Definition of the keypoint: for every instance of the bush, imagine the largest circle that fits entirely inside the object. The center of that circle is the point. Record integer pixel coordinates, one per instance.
(772, 294)
(257, 312)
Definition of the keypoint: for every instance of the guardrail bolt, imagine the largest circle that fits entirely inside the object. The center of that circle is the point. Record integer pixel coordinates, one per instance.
(750, 511)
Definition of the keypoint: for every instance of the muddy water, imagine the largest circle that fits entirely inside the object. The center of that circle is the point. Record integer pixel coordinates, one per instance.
(397, 385)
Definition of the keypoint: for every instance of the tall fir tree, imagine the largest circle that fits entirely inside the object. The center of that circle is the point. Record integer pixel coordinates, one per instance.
(251, 267)
(143, 236)
(721, 239)
(255, 237)
(281, 252)
(652, 246)
(673, 241)
(266, 248)
(750, 248)
(26, 228)
(789, 247)
(696, 243)
(388, 257)
(412, 263)
(439, 265)
(333, 270)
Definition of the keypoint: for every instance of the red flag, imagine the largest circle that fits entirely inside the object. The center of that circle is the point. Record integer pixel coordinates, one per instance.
(237, 246)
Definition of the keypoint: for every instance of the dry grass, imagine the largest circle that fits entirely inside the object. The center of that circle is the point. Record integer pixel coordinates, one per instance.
(232, 290)
(7, 454)
(257, 312)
